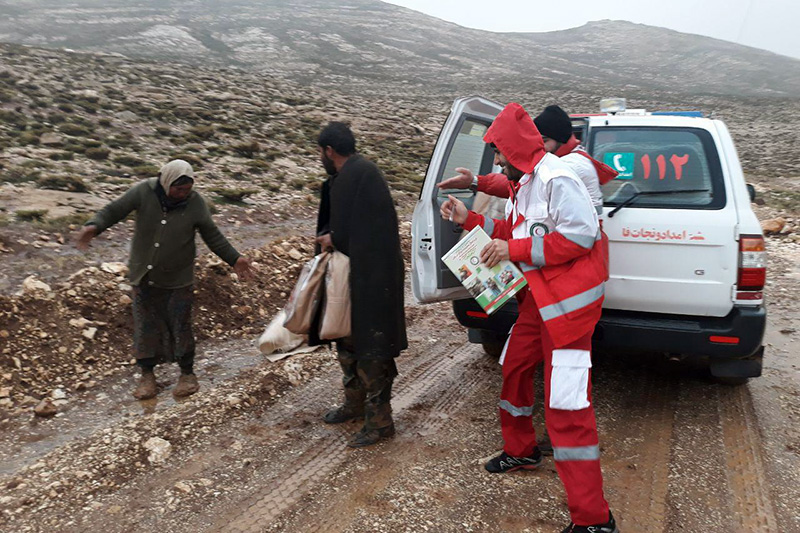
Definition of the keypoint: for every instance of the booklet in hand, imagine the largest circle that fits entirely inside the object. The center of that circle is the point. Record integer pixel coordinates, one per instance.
(491, 287)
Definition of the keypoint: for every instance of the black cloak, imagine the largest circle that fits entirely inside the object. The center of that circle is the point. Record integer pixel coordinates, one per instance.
(358, 211)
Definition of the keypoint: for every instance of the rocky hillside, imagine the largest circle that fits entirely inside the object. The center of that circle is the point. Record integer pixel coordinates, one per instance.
(78, 122)
(363, 43)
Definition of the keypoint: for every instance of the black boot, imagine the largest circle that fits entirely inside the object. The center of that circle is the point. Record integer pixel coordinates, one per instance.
(341, 414)
(505, 463)
(367, 437)
(354, 393)
(608, 527)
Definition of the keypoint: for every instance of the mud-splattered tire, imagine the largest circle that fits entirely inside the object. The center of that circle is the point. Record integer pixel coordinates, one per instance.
(731, 382)
(493, 348)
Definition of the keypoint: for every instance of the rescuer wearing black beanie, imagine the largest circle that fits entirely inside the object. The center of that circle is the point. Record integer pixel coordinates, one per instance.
(554, 123)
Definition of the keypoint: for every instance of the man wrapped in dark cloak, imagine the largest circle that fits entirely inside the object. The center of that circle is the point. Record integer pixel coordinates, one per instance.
(357, 217)
(168, 215)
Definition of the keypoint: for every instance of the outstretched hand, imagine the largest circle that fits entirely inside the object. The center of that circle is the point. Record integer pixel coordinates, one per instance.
(243, 268)
(84, 237)
(454, 210)
(462, 181)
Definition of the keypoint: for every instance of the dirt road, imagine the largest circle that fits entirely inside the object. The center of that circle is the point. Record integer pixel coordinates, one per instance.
(250, 454)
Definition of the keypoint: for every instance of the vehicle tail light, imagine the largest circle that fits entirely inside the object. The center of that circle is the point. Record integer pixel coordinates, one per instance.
(752, 263)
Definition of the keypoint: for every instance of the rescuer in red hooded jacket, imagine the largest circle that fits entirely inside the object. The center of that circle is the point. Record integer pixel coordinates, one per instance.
(555, 127)
(551, 230)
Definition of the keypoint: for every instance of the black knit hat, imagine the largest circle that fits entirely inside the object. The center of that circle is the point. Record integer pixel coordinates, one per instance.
(554, 122)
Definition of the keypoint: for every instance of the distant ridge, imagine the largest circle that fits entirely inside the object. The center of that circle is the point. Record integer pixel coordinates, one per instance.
(327, 41)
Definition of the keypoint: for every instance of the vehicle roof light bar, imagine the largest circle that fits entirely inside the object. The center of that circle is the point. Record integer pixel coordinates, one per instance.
(696, 114)
(613, 105)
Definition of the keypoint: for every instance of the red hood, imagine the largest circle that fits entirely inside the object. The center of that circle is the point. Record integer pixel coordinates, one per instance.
(516, 137)
(568, 147)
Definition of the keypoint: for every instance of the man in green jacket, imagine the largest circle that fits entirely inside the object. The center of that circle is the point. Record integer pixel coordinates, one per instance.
(168, 214)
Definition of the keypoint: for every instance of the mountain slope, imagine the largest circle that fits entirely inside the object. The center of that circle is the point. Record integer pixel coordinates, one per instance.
(332, 43)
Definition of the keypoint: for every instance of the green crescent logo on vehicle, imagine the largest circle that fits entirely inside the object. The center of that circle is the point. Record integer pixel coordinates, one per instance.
(539, 230)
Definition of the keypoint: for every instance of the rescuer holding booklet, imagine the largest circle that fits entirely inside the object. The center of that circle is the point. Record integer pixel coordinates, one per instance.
(551, 230)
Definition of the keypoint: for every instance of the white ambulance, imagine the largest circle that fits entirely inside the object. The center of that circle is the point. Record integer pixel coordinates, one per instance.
(687, 256)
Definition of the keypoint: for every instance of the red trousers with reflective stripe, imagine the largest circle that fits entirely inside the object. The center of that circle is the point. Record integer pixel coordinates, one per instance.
(529, 345)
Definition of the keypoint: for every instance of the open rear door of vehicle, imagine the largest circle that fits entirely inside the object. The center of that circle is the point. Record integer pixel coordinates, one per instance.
(460, 144)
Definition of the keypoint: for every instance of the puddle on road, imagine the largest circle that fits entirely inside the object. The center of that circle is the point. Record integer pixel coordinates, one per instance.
(780, 340)
(24, 441)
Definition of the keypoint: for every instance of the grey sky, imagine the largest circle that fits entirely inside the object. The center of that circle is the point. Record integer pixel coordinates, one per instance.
(767, 24)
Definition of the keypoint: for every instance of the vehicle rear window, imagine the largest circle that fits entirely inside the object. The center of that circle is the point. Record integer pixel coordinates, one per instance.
(660, 159)
(468, 150)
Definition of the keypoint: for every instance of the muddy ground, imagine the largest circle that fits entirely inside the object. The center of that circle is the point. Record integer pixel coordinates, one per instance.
(250, 453)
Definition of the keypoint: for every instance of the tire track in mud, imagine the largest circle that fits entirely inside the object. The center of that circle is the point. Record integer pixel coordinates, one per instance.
(442, 367)
(637, 470)
(439, 408)
(717, 477)
(752, 506)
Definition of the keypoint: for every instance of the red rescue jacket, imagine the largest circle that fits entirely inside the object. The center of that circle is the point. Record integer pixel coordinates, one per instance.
(568, 288)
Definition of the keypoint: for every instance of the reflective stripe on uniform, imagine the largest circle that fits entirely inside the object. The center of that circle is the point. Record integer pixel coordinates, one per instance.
(584, 241)
(488, 226)
(513, 410)
(577, 453)
(573, 303)
(537, 251)
(525, 267)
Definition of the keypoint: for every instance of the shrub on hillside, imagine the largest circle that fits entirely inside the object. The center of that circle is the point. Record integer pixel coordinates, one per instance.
(202, 132)
(31, 214)
(74, 130)
(61, 156)
(62, 183)
(193, 160)
(98, 154)
(28, 138)
(233, 195)
(146, 171)
(248, 149)
(258, 166)
(129, 161)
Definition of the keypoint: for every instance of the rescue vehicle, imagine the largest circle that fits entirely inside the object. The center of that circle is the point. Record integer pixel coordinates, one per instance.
(687, 255)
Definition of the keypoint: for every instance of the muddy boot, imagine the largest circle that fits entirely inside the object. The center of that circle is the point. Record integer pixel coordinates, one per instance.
(187, 385)
(146, 388)
(377, 376)
(353, 406)
(341, 414)
(367, 437)
(354, 393)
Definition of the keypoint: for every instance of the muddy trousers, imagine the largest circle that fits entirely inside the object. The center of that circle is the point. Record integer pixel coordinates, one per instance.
(368, 387)
(162, 327)
(186, 364)
(571, 425)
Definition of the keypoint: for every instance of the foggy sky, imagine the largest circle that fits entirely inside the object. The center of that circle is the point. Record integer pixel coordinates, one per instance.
(768, 24)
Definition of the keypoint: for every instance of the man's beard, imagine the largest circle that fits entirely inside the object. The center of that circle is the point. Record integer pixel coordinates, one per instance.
(512, 172)
(330, 167)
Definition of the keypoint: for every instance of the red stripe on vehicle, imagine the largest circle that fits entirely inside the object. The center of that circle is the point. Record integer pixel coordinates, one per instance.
(724, 340)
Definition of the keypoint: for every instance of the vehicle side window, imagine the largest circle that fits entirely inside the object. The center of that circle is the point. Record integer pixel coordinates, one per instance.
(661, 159)
(468, 150)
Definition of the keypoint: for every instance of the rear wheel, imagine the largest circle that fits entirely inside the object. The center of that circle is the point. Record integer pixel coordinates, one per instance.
(493, 348)
(731, 382)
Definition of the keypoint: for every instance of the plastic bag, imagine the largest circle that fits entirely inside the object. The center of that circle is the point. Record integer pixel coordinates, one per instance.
(336, 310)
(277, 338)
(306, 295)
